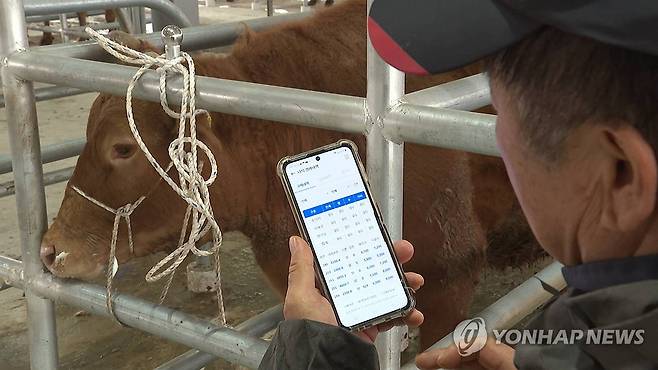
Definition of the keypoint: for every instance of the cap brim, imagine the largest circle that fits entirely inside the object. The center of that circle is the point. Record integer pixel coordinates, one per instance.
(433, 36)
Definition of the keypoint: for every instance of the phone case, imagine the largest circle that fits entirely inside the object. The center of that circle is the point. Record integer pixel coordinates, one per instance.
(288, 191)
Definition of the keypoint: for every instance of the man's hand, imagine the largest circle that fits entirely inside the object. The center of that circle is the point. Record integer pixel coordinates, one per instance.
(492, 357)
(304, 300)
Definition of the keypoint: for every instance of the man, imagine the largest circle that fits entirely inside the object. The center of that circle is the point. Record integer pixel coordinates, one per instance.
(575, 84)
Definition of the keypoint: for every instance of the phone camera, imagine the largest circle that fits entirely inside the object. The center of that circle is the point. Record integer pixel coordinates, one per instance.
(317, 158)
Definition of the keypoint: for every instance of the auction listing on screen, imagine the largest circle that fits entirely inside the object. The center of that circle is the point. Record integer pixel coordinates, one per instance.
(357, 266)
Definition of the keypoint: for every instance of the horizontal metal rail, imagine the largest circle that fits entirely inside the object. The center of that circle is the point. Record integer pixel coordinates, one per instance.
(78, 31)
(49, 178)
(49, 93)
(44, 7)
(469, 93)
(256, 326)
(314, 109)
(49, 153)
(195, 38)
(504, 313)
(53, 17)
(445, 128)
(412, 123)
(515, 305)
(231, 345)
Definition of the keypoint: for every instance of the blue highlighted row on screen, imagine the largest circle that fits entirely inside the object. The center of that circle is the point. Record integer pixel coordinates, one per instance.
(334, 204)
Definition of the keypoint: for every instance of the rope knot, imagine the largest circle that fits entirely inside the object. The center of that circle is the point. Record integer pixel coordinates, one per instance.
(128, 209)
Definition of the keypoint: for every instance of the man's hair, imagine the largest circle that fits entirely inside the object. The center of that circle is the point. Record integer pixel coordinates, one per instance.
(561, 81)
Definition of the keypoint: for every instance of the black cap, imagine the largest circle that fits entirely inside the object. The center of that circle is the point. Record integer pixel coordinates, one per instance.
(432, 36)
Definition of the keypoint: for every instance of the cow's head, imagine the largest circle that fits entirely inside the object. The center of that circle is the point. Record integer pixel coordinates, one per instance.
(113, 170)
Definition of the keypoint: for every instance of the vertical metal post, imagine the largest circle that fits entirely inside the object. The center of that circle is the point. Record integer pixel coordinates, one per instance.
(28, 174)
(125, 20)
(270, 8)
(138, 19)
(384, 166)
(63, 24)
(189, 7)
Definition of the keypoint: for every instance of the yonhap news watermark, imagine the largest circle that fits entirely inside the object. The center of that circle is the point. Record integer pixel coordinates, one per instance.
(471, 335)
(571, 336)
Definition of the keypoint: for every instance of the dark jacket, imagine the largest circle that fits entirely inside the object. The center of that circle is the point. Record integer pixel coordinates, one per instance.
(306, 345)
(604, 298)
(619, 294)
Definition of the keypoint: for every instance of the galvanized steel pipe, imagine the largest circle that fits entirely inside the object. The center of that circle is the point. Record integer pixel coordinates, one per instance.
(195, 38)
(256, 326)
(49, 93)
(515, 305)
(468, 93)
(405, 122)
(49, 178)
(44, 7)
(385, 172)
(30, 197)
(75, 30)
(445, 128)
(233, 346)
(50, 153)
(302, 107)
(52, 17)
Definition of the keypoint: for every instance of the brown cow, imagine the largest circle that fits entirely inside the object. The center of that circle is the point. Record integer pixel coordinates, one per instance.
(324, 53)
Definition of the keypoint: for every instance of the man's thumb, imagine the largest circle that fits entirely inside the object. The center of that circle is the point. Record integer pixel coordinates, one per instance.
(301, 275)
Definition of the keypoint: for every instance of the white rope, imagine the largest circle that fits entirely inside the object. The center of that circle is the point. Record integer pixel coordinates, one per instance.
(199, 219)
(119, 213)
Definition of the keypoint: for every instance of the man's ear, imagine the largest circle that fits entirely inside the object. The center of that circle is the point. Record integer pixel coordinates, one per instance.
(630, 182)
(132, 42)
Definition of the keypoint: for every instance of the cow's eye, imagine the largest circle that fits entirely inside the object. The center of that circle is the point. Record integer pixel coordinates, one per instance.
(123, 150)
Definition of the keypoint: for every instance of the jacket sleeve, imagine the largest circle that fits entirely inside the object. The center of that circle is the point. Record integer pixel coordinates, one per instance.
(303, 344)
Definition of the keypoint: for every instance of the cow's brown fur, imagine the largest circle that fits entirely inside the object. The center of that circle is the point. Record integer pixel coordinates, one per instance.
(324, 53)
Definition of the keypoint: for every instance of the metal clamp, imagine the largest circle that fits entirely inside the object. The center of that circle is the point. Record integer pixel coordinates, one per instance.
(172, 37)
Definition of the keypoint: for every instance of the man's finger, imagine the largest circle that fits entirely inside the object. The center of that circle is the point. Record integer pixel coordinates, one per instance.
(491, 357)
(440, 358)
(497, 357)
(301, 274)
(415, 281)
(403, 250)
(413, 319)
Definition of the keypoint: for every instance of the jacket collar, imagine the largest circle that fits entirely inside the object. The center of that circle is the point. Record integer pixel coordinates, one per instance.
(602, 274)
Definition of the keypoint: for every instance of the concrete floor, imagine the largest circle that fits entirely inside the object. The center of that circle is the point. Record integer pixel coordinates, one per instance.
(87, 342)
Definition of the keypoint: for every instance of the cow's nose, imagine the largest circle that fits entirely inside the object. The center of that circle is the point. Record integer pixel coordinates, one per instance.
(47, 254)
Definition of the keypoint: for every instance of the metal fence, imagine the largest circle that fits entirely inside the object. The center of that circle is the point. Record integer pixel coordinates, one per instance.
(387, 117)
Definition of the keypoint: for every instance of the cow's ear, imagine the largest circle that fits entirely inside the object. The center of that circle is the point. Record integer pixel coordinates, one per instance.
(245, 37)
(205, 129)
(133, 42)
(95, 114)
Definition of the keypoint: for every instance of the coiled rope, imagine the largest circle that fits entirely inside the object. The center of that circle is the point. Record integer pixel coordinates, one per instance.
(183, 151)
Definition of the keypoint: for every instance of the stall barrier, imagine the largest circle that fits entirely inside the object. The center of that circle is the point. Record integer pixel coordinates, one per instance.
(45, 7)
(386, 116)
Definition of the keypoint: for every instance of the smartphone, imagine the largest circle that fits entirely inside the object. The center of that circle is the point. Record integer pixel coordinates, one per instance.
(355, 263)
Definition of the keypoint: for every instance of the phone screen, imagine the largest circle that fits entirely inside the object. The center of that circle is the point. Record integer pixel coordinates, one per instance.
(340, 220)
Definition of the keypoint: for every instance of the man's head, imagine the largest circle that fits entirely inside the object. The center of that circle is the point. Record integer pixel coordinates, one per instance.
(576, 114)
(577, 129)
